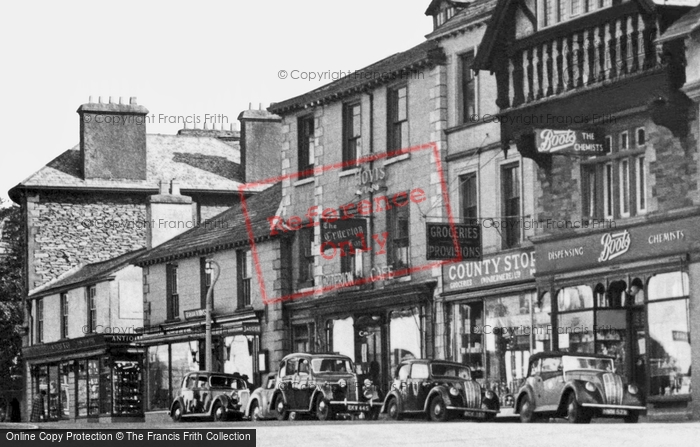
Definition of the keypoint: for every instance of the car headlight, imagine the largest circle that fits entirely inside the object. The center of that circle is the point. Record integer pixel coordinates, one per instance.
(590, 387)
(342, 383)
(454, 391)
(368, 383)
(368, 393)
(489, 394)
(632, 389)
(509, 401)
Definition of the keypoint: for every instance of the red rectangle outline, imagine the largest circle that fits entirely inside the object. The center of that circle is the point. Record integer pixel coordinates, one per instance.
(320, 290)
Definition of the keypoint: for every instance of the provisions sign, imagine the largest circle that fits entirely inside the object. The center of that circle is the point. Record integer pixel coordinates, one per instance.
(569, 142)
(441, 238)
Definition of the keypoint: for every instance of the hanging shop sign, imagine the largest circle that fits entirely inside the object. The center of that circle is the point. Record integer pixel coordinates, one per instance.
(569, 142)
(343, 232)
(619, 245)
(252, 329)
(440, 243)
(195, 313)
(491, 271)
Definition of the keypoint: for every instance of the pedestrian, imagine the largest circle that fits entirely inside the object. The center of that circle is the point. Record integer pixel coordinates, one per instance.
(38, 408)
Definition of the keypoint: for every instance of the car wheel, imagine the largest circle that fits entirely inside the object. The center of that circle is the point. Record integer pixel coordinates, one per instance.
(324, 411)
(575, 413)
(632, 418)
(176, 414)
(254, 411)
(219, 412)
(438, 410)
(392, 409)
(280, 408)
(527, 410)
(372, 414)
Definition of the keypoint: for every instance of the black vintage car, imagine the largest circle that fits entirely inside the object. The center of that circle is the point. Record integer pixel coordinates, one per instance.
(321, 385)
(212, 395)
(578, 387)
(441, 390)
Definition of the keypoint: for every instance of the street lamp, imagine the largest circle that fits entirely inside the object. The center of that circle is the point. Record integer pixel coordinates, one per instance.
(208, 343)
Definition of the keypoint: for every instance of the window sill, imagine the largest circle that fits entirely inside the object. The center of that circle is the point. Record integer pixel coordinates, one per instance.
(349, 172)
(396, 159)
(305, 181)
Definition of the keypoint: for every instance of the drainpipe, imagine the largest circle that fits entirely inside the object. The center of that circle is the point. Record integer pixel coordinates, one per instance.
(208, 344)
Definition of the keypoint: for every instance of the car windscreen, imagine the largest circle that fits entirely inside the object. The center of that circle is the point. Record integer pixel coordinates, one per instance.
(224, 382)
(331, 365)
(572, 363)
(447, 370)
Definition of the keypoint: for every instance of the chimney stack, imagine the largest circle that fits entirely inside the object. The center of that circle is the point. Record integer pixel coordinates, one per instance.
(261, 141)
(168, 214)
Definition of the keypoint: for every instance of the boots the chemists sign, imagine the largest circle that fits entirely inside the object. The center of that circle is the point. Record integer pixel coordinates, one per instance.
(569, 142)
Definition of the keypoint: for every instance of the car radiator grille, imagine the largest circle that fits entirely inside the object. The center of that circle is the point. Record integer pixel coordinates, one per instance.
(352, 390)
(612, 384)
(472, 393)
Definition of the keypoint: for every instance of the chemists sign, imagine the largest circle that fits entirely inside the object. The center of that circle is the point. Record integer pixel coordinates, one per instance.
(569, 142)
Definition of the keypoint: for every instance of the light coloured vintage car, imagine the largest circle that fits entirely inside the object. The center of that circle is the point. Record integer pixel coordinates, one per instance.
(440, 389)
(260, 404)
(578, 387)
(212, 395)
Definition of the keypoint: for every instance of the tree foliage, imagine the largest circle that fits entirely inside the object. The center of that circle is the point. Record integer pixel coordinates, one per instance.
(11, 293)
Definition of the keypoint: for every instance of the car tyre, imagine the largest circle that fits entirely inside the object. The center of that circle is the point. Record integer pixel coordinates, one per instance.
(280, 408)
(575, 413)
(219, 412)
(527, 411)
(254, 411)
(632, 418)
(372, 414)
(176, 414)
(438, 410)
(324, 412)
(392, 410)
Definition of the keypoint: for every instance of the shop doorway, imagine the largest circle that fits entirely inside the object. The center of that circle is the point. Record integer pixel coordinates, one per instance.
(637, 372)
(369, 348)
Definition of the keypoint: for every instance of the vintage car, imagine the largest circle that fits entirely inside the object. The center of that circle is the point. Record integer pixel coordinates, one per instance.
(440, 389)
(260, 403)
(578, 387)
(211, 395)
(321, 385)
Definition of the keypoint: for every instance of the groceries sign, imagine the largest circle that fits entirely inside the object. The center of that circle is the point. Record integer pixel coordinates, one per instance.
(569, 142)
(441, 239)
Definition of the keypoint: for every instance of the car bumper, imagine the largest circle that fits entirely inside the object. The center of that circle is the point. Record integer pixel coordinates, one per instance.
(606, 410)
(352, 406)
(620, 407)
(474, 412)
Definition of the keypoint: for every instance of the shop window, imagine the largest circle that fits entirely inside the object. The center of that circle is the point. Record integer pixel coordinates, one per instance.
(66, 387)
(305, 153)
(601, 299)
(238, 357)
(40, 320)
(468, 88)
(669, 334)
(468, 198)
(404, 336)
(82, 388)
(302, 337)
(343, 338)
(244, 263)
(305, 264)
(574, 298)
(398, 225)
(616, 295)
(185, 358)
(575, 332)
(352, 131)
(126, 384)
(41, 384)
(158, 378)
(172, 299)
(510, 195)
(93, 387)
(541, 323)
(64, 315)
(397, 135)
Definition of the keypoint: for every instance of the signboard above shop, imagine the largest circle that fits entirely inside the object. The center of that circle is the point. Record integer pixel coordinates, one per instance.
(492, 271)
(441, 238)
(569, 142)
(338, 231)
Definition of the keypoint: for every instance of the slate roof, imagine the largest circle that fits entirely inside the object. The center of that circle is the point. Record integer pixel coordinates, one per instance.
(86, 274)
(683, 26)
(199, 163)
(386, 70)
(221, 232)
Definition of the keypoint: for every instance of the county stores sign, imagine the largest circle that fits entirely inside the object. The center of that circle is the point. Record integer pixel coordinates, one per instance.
(494, 270)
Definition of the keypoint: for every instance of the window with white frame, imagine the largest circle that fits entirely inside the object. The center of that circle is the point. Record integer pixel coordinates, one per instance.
(624, 187)
(641, 137)
(608, 188)
(641, 182)
(552, 12)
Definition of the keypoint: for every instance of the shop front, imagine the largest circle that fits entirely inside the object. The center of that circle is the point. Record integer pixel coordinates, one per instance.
(376, 328)
(172, 351)
(97, 377)
(627, 292)
(493, 317)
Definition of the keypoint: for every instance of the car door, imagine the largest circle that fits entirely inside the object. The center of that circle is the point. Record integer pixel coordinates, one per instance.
(287, 370)
(205, 394)
(536, 385)
(187, 392)
(266, 394)
(552, 383)
(241, 387)
(420, 385)
(401, 385)
(302, 391)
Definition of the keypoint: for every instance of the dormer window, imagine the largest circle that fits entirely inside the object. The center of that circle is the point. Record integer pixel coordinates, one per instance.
(553, 12)
(444, 13)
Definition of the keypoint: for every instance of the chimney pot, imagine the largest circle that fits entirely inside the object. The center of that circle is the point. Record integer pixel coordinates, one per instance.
(110, 100)
(175, 187)
(100, 99)
(121, 100)
(260, 106)
(90, 100)
(162, 188)
(132, 100)
(206, 125)
(250, 106)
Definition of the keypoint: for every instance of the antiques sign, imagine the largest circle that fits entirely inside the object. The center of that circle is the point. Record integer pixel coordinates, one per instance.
(571, 142)
(441, 241)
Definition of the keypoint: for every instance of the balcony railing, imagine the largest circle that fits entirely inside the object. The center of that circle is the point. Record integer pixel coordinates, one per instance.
(554, 62)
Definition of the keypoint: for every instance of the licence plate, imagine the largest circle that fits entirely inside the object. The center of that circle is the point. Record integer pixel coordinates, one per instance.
(358, 407)
(615, 412)
(474, 414)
